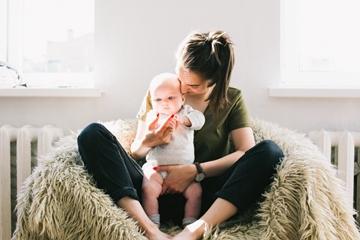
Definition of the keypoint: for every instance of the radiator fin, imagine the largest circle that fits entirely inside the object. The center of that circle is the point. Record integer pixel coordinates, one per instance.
(343, 150)
(19, 148)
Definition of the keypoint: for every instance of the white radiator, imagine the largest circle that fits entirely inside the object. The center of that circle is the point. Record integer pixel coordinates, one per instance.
(19, 164)
(341, 149)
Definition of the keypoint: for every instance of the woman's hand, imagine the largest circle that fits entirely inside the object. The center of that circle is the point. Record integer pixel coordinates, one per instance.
(150, 135)
(178, 177)
(155, 135)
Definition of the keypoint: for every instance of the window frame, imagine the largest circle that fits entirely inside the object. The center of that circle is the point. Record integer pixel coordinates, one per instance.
(3, 29)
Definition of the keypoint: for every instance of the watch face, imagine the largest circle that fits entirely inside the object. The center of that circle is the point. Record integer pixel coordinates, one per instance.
(199, 177)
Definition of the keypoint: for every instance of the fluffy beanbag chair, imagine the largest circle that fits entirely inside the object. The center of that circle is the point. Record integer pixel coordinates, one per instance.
(306, 200)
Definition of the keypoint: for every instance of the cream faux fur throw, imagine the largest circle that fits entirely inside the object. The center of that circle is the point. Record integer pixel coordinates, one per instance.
(306, 201)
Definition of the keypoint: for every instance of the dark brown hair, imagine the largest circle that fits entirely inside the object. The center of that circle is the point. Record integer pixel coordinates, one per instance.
(211, 55)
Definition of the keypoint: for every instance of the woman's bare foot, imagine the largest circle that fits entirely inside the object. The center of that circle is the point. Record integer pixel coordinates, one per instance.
(156, 234)
(193, 231)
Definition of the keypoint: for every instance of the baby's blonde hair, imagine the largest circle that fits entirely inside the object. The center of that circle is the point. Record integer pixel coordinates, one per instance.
(163, 78)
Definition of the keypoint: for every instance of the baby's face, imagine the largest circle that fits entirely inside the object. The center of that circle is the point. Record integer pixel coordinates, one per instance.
(167, 99)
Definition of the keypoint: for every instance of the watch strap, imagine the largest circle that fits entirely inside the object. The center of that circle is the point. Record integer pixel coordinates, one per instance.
(199, 169)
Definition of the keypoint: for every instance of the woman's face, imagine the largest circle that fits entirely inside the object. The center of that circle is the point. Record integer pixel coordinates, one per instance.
(191, 83)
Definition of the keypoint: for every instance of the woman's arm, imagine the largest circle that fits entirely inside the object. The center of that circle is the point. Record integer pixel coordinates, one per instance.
(138, 148)
(243, 140)
(179, 177)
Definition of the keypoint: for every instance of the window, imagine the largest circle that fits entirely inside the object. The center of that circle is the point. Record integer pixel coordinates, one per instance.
(49, 42)
(3, 32)
(320, 42)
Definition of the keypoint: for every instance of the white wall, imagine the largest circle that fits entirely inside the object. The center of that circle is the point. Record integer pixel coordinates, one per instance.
(137, 39)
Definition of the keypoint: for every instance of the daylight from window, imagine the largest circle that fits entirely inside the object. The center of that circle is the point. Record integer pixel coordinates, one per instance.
(58, 36)
(329, 35)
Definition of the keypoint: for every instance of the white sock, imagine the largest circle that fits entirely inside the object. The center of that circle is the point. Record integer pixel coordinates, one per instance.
(155, 218)
(188, 220)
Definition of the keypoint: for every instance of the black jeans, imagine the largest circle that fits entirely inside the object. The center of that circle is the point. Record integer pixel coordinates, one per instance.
(119, 175)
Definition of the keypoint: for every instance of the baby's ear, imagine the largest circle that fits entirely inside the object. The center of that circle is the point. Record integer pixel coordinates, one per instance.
(183, 97)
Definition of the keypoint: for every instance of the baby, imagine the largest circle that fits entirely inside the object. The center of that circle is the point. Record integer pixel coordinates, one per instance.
(166, 100)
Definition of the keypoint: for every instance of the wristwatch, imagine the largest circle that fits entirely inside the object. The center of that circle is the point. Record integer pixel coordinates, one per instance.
(200, 172)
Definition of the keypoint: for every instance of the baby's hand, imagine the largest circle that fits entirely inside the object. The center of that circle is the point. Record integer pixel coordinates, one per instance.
(184, 121)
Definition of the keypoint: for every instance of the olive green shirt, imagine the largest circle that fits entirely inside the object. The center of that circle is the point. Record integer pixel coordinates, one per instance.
(212, 141)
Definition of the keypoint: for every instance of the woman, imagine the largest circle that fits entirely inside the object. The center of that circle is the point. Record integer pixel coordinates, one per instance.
(236, 171)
